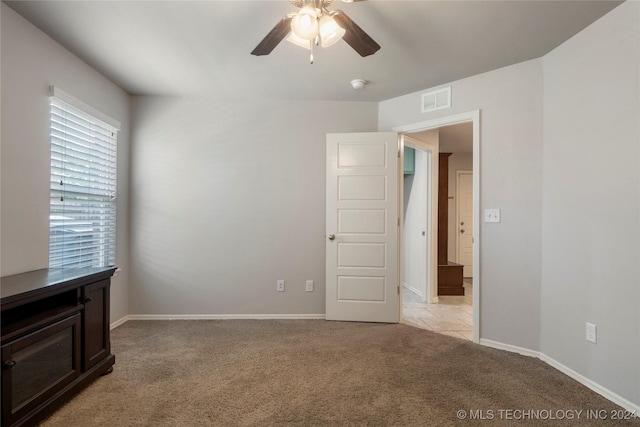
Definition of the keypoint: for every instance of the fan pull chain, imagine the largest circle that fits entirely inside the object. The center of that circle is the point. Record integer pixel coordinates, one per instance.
(311, 43)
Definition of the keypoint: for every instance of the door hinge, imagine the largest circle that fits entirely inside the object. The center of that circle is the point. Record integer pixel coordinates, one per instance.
(398, 288)
(398, 152)
(398, 222)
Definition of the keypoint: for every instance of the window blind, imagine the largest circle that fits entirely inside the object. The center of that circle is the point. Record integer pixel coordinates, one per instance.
(82, 227)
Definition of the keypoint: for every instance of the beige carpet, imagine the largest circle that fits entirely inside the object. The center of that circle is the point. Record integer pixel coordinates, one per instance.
(313, 372)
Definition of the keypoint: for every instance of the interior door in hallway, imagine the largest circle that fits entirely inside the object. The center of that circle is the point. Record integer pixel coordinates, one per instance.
(362, 227)
(465, 221)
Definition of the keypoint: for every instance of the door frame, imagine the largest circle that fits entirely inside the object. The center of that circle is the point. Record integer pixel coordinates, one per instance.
(474, 118)
(457, 199)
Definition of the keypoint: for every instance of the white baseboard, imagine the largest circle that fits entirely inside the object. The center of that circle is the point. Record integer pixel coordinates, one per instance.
(602, 391)
(119, 322)
(412, 289)
(510, 348)
(217, 317)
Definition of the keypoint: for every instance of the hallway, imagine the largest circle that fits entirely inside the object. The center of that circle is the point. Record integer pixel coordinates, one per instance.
(452, 316)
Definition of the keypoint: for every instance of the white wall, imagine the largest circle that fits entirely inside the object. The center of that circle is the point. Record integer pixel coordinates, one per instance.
(227, 197)
(457, 162)
(591, 202)
(510, 100)
(415, 222)
(31, 62)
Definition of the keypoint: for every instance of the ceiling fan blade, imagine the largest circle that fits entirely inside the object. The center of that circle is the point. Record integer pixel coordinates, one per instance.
(355, 36)
(274, 37)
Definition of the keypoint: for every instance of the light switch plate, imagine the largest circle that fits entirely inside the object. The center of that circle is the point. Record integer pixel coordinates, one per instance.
(591, 333)
(492, 215)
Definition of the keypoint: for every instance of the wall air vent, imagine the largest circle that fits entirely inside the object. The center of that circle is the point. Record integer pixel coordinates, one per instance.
(436, 99)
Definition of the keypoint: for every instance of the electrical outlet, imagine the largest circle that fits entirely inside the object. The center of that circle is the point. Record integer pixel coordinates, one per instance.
(591, 333)
(280, 286)
(492, 215)
(309, 286)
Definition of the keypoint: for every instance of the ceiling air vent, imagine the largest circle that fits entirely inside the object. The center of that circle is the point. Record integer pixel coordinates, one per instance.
(436, 99)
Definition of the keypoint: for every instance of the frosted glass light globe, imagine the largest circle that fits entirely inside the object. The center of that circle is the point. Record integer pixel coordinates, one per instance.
(305, 23)
(330, 31)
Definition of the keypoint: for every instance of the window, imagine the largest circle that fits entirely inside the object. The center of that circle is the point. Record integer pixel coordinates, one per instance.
(82, 216)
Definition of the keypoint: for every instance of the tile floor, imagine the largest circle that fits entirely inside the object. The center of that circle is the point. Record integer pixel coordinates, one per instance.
(452, 315)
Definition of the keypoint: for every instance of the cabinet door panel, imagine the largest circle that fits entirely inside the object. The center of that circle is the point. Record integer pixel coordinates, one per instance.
(95, 327)
(38, 365)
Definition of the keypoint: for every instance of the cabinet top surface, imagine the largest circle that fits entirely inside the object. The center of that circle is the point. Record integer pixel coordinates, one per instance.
(33, 281)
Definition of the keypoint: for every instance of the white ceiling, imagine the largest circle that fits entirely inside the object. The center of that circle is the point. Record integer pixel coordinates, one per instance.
(202, 47)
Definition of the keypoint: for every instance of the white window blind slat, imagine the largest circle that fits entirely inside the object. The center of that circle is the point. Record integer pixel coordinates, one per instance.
(80, 131)
(71, 148)
(81, 172)
(82, 187)
(80, 147)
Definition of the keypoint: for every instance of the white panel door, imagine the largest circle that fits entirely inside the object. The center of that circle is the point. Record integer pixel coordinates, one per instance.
(362, 227)
(465, 222)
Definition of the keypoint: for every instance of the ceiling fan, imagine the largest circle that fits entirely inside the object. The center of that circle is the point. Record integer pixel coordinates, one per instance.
(316, 25)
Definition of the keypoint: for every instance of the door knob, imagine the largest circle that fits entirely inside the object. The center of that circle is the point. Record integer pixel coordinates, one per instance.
(332, 236)
(462, 230)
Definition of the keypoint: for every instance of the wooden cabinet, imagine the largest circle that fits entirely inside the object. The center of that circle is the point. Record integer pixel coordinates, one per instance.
(54, 340)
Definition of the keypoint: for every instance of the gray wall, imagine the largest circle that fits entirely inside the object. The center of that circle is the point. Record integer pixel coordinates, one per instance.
(591, 202)
(227, 197)
(31, 62)
(510, 100)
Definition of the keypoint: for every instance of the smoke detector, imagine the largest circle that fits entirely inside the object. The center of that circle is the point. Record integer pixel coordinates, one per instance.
(358, 83)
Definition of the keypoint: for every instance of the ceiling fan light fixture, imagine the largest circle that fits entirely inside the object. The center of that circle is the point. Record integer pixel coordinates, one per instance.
(330, 31)
(305, 23)
(293, 38)
(314, 26)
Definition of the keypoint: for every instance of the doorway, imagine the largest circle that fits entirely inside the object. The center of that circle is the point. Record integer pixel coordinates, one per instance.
(457, 316)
